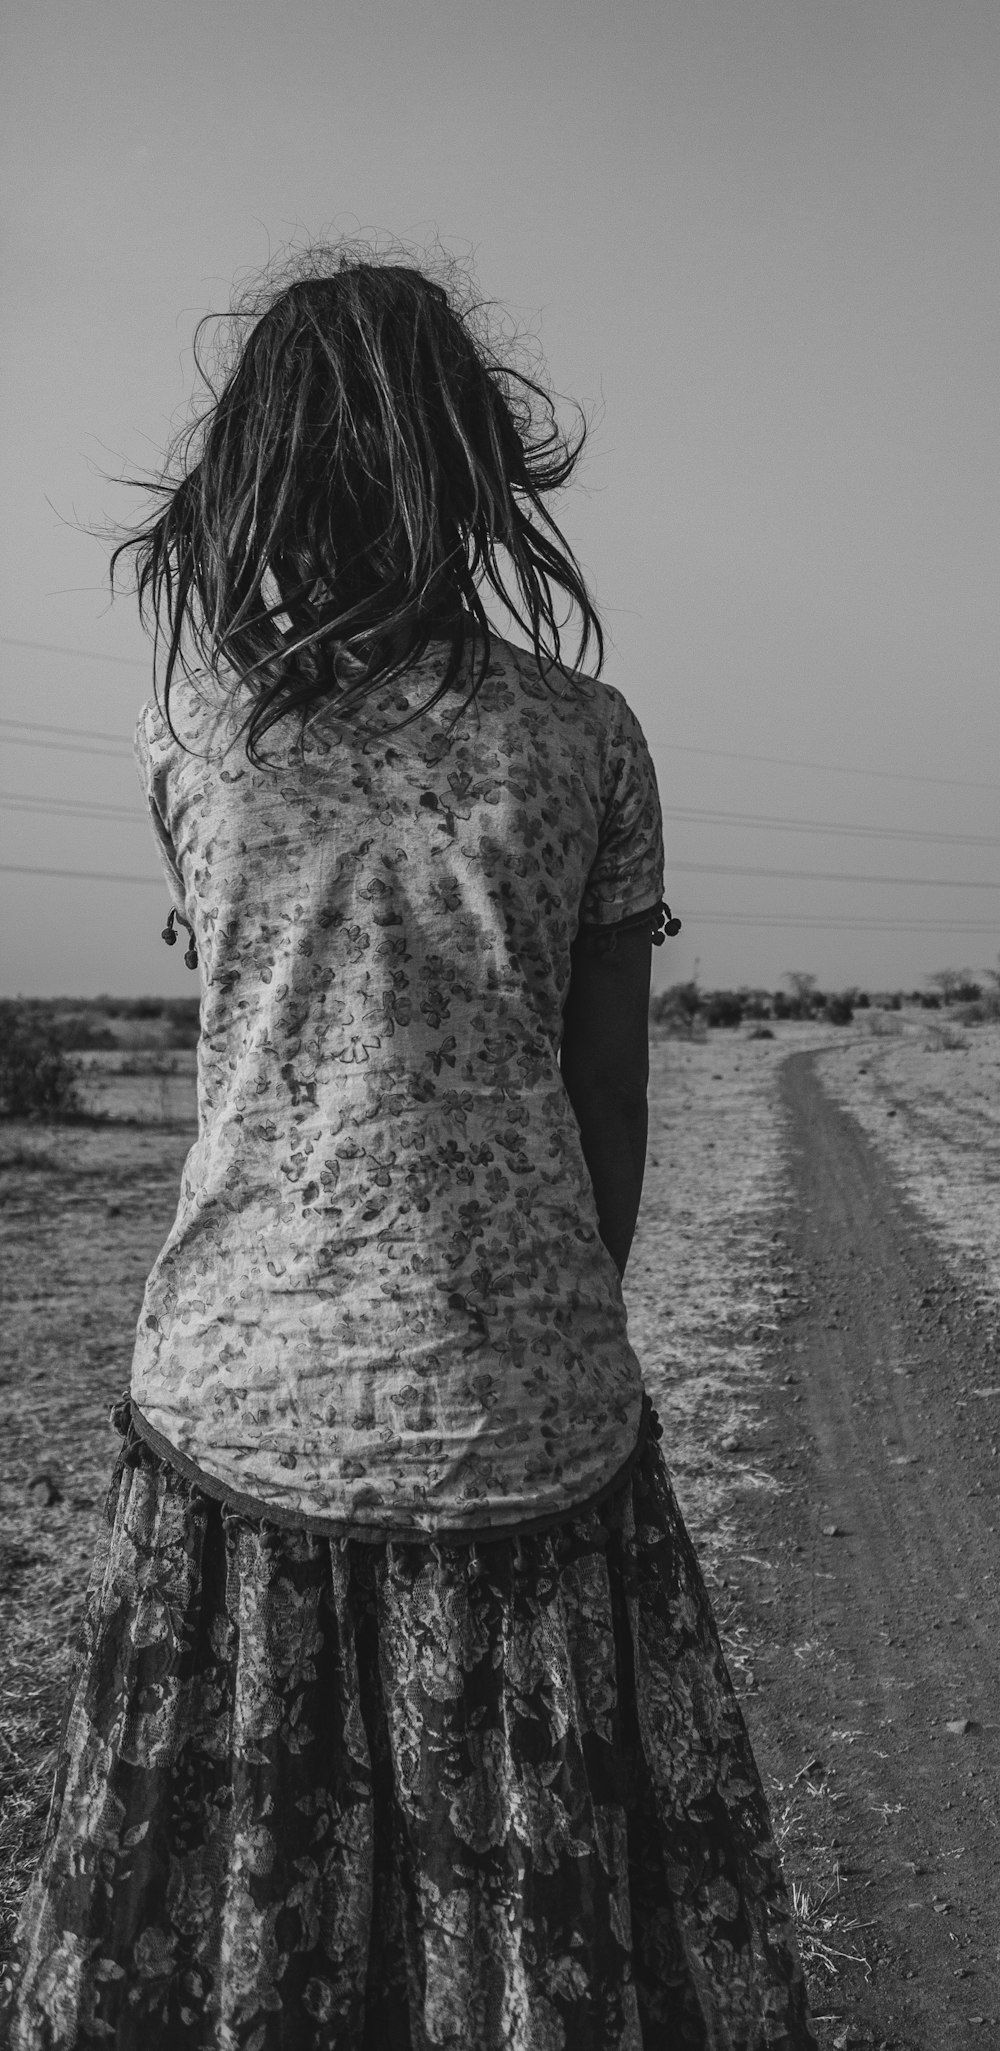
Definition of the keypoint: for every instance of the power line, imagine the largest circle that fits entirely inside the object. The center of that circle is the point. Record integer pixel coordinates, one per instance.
(694, 814)
(73, 747)
(81, 875)
(699, 815)
(828, 876)
(841, 920)
(824, 921)
(83, 654)
(16, 802)
(828, 768)
(85, 733)
(691, 918)
(77, 807)
(676, 747)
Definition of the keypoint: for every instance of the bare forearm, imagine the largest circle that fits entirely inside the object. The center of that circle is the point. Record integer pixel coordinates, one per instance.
(613, 1136)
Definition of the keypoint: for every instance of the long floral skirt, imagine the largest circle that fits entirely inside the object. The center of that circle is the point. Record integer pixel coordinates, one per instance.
(323, 1795)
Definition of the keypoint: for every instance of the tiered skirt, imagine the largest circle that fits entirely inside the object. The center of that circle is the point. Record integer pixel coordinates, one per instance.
(323, 1795)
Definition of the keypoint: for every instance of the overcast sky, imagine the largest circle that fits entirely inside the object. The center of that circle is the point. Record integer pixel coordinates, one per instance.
(756, 239)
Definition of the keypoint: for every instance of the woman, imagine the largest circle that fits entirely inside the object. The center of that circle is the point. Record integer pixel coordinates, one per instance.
(400, 1717)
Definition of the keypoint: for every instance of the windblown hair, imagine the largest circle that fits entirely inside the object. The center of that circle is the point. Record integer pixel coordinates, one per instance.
(365, 454)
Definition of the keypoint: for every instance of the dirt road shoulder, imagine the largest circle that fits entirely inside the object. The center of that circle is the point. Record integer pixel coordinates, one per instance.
(872, 1593)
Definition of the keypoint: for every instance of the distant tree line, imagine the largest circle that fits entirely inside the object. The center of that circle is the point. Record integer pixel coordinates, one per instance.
(39, 1036)
(686, 1008)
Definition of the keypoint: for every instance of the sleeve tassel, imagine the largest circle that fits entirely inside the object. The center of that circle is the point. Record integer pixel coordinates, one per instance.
(168, 934)
(604, 939)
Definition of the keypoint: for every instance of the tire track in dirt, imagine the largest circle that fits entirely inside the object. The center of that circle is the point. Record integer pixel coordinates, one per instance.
(887, 1626)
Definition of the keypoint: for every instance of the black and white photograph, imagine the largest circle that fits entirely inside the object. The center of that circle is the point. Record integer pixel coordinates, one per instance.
(500, 1026)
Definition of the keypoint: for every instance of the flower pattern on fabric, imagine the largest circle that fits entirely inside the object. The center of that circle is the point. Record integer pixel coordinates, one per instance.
(384, 1301)
(410, 1797)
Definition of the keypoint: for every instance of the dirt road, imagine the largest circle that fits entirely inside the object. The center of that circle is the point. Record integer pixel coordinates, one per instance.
(873, 1596)
(835, 1453)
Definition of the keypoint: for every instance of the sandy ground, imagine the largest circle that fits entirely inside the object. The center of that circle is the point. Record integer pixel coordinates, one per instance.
(812, 1292)
(928, 1094)
(705, 1280)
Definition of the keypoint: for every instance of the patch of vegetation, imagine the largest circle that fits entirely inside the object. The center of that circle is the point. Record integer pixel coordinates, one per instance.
(957, 986)
(828, 1940)
(184, 1014)
(945, 1038)
(36, 1078)
(839, 1010)
(882, 1025)
(756, 1003)
(132, 1007)
(19, 1156)
(32, 1722)
(79, 1031)
(145, 1063)
(724, 1008)
(982, 1011)
(678, 1011)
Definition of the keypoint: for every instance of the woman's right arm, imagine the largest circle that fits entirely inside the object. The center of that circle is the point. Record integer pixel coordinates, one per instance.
(604, 1059)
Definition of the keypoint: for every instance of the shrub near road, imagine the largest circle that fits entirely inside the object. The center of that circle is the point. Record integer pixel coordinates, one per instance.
(37, 1079)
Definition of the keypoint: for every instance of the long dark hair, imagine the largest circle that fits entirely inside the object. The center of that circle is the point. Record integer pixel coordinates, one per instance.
(365, 452)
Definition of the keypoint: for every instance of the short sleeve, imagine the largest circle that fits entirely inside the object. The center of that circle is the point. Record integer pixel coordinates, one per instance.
(626, 875)
(161, 835)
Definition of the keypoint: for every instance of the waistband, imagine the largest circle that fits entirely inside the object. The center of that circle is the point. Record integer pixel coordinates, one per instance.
(139, 1436)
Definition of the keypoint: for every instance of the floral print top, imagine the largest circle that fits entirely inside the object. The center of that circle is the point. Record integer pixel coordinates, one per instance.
(384, 1306)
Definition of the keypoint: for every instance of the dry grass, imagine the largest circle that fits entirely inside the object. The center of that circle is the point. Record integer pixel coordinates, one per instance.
(817, 1922)
(804, 1821)
(86, 1207)
(30, 1724)
(706, 1273)
(945, 1039)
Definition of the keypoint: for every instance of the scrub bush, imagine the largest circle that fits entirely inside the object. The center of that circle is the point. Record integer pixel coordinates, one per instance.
(679, 1011)
(37, 1080)
(723, 1008)
(839, 1010)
